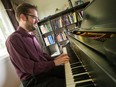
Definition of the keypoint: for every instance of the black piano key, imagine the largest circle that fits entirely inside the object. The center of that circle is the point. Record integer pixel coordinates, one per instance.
(85, 84)
(81, 77)
(89, 85)
(75, 64)
(78, 70)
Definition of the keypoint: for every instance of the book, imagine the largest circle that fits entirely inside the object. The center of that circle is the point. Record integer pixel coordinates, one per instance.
(46, 41)
(43, 29)
(51, 39)
(74, 17)
(66, 20)
(48, 26)
(64, 36)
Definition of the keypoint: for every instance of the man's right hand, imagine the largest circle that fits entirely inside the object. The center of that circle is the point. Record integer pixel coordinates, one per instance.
(63, 58)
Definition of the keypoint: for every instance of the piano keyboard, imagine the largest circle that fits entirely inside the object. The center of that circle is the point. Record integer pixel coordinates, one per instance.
(76, 74)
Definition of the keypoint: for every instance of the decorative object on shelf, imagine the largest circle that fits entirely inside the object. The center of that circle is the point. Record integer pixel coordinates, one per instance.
(78, 2)
(70, 3)
(57, 10)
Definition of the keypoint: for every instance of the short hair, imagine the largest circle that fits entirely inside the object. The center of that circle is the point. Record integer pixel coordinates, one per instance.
(23, 9)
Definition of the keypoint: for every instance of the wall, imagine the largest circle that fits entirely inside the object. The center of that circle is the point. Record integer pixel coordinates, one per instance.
(48, 7)
(8, 76)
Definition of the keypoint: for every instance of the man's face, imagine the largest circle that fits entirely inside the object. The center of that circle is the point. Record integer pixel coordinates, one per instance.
(31, 20)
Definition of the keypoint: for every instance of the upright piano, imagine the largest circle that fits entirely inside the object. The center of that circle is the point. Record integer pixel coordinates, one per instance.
(92, 47)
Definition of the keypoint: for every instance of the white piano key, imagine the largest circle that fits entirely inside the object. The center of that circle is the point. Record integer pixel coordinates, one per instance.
(64, 50)
(71, 85)
(68, 73)
(82, 81)
(69, 76)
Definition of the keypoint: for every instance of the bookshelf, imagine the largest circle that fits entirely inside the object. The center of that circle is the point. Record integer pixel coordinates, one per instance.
(53, 29)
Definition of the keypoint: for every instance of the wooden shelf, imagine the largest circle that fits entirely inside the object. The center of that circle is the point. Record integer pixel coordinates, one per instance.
(76, 8)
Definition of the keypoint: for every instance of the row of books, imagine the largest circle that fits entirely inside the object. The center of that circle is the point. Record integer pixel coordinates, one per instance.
(57, 23)
(67, 19)
(46, 27)
(61, 21)
(49, 40)
(61, 37)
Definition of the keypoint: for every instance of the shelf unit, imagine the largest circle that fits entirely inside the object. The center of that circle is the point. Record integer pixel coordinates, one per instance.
(53, 29)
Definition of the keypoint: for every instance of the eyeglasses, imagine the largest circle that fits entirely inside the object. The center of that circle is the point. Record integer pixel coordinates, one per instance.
(34, 17)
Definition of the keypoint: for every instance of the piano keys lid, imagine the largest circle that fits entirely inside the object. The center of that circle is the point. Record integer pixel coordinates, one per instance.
(110, 49)
(99, 16)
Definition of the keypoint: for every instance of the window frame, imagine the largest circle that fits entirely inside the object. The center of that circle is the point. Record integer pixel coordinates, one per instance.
(7, 26)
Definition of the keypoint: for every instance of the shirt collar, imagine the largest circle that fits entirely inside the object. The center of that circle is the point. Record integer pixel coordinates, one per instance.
(24, 33)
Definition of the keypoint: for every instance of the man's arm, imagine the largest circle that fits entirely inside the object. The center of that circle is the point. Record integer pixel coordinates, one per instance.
(22, 60)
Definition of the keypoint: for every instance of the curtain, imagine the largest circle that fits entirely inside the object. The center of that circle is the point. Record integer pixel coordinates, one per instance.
(10, 11)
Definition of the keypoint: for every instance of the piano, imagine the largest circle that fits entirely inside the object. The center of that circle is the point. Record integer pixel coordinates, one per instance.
(92, 47)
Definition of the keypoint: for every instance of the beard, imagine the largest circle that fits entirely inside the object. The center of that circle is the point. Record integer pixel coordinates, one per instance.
(30, 26)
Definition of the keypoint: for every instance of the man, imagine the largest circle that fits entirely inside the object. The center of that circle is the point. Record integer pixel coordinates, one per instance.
(34, 67)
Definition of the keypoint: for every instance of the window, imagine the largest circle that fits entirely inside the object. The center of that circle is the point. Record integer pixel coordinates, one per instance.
(6, 29)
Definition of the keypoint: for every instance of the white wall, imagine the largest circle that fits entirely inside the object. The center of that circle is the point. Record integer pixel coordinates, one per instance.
(8, 76)
(48, 7)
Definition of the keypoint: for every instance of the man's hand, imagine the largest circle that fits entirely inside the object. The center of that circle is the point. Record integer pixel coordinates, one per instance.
(61, 59)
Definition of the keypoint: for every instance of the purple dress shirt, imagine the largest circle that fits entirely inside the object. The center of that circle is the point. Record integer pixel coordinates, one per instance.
(26, 54)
